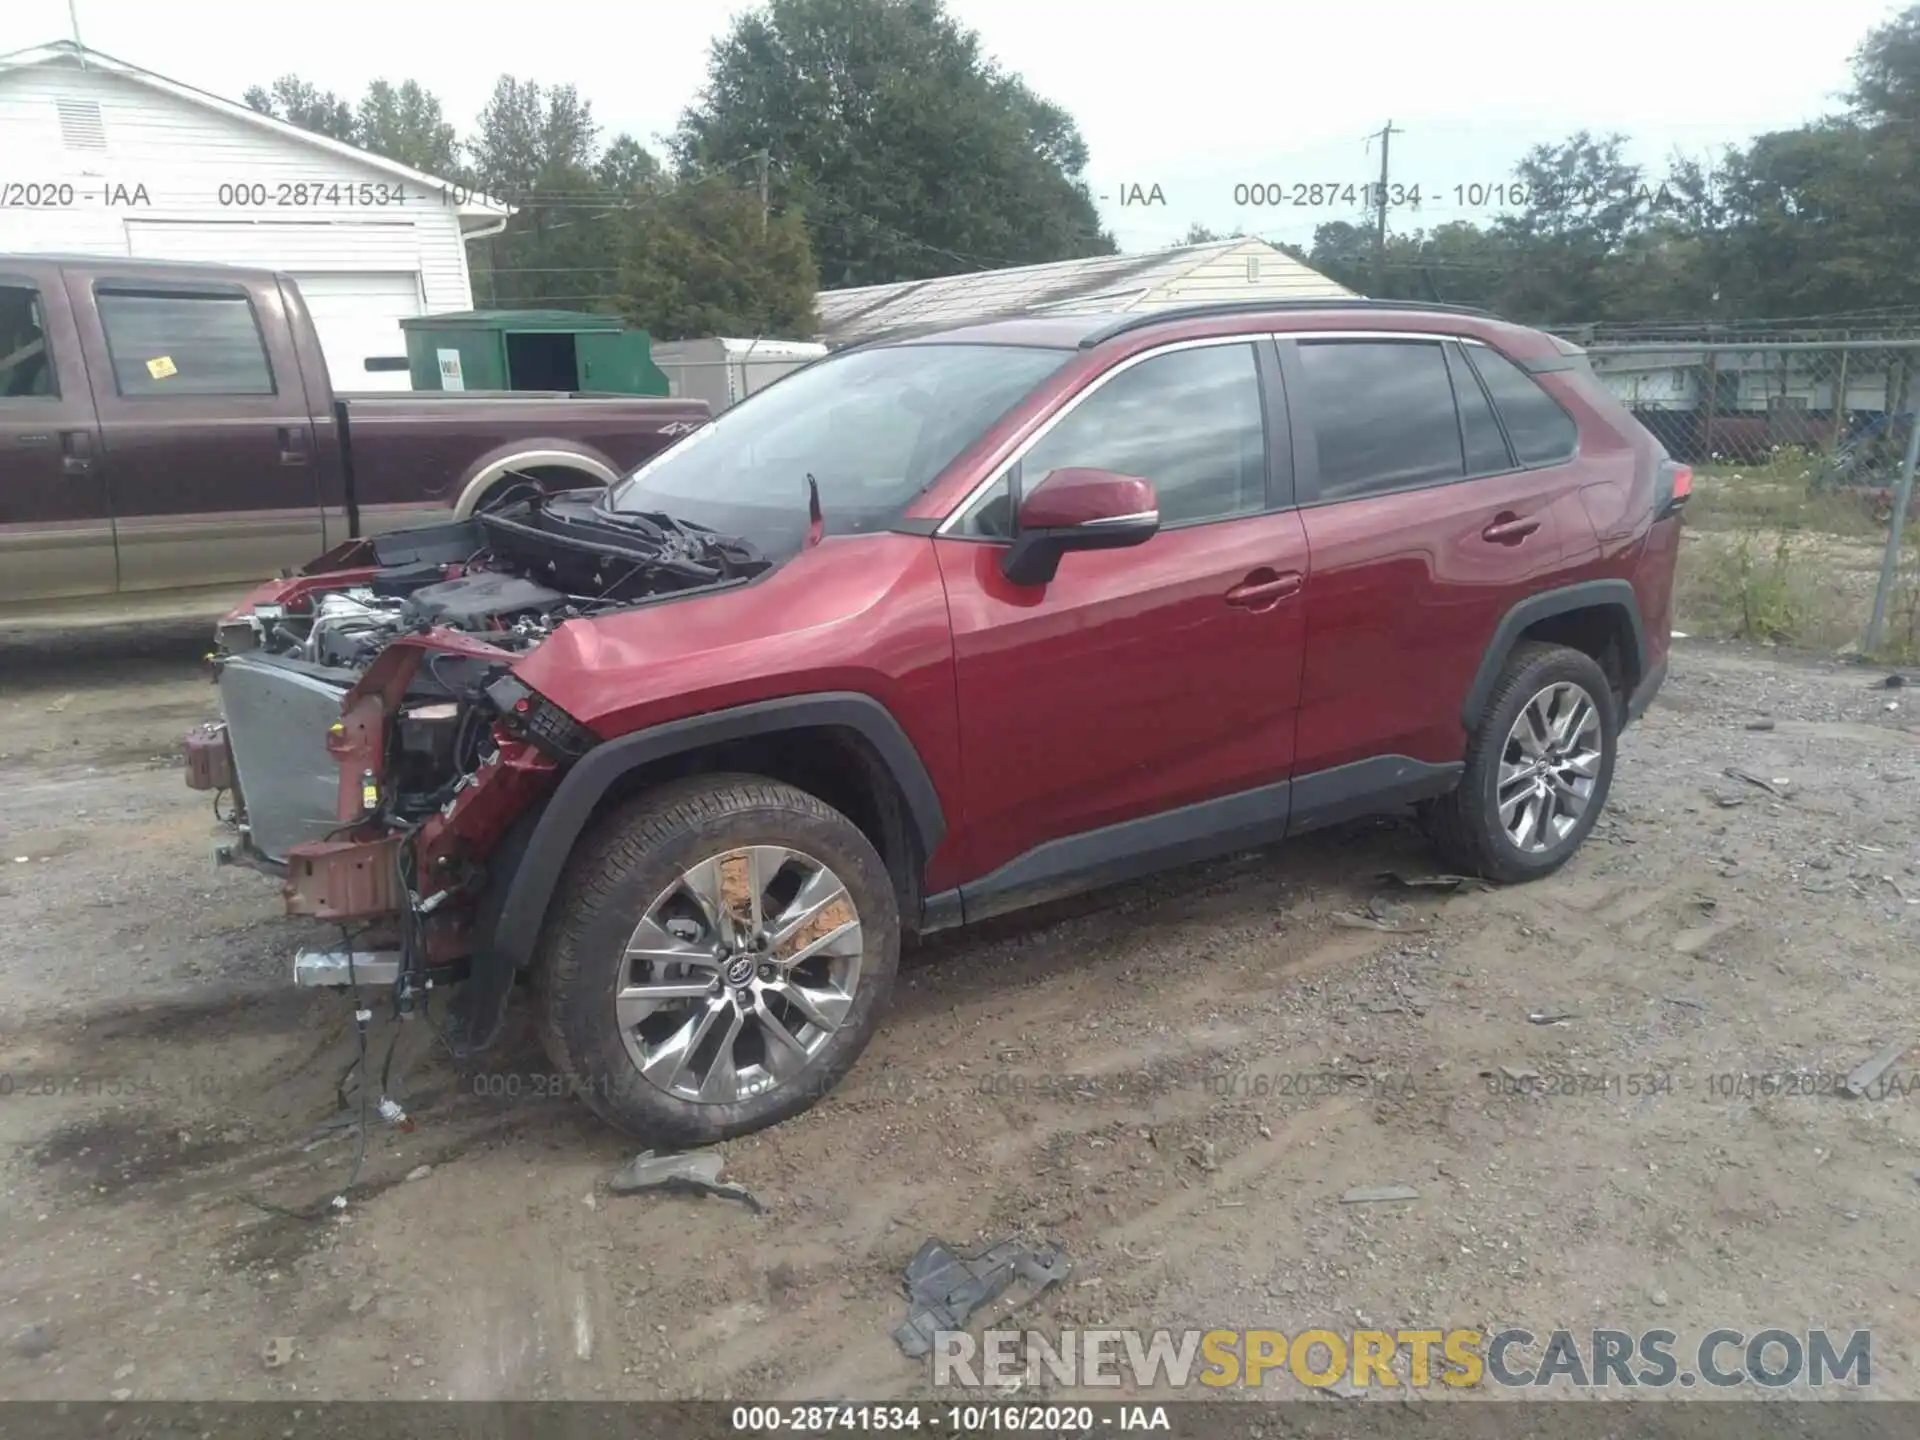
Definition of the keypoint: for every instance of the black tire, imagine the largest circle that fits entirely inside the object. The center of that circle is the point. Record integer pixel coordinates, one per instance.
(617, 872)
(1465, 824)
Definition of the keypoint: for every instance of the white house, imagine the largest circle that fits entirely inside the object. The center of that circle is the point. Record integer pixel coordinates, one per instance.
(1101, 284)
(102, 157)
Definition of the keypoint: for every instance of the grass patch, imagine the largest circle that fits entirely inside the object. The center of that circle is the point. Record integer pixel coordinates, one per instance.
(1782, 494)
(1773, 555)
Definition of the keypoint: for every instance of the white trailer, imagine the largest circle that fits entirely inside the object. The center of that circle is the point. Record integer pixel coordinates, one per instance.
(724, 372)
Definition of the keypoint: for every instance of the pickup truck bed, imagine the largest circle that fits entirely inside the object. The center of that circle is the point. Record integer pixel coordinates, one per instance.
(168, 434)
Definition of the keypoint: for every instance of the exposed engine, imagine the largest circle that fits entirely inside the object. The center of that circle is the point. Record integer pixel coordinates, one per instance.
(508, 577)
(378, 747)
(376, 742)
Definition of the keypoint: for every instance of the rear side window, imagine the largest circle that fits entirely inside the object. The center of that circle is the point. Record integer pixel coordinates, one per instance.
(1480, 433)
(1542, 433)
(26, 369)
(184, 344)
(1383, 415)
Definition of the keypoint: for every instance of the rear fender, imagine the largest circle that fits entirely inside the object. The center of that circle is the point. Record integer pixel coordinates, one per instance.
(1613, 595)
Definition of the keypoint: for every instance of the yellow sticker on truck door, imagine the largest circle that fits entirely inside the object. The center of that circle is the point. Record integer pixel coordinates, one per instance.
(161, 366)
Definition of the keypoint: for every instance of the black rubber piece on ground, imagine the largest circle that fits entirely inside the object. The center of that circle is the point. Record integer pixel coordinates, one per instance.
(617, 871)
(1464, 825)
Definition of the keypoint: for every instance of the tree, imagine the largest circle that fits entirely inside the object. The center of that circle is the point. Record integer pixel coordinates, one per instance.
(626, 167)
(533, 139)
(1582, 201)
(1823, 220)
(910, 153)
(595, 228)
(1886, 71)
(536, 148)
(298, 103)
(695, 260)
(405, 123)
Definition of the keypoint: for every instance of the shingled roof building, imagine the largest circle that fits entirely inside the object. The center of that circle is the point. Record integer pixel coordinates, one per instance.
(1104, 284)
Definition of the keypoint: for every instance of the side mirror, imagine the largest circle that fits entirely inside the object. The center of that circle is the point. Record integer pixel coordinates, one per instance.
(1078, 509)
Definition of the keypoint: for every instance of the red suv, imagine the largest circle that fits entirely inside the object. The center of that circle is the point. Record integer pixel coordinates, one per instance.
(937, 627)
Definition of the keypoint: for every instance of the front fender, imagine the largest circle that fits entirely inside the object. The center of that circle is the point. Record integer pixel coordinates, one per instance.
(528, 867)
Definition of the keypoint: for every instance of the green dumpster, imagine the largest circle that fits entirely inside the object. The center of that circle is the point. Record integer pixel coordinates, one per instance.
(530, 350)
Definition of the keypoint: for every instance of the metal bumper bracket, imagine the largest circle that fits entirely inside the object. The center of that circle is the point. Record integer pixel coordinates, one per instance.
(330, 969)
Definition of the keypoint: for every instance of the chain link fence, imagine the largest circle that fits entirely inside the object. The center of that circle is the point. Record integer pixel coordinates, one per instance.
(1850, 404)
(1836, 419)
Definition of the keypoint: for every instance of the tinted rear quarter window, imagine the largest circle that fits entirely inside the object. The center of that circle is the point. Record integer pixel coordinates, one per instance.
(184, 344)
(1479, 430)
(1383, 415)
(1542, 433)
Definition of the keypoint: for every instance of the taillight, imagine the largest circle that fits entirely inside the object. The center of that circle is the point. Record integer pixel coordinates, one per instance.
(1671, 489)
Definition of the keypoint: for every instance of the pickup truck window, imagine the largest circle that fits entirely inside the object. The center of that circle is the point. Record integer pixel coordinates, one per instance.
(26, 369)
(872, 427)
(173, 344)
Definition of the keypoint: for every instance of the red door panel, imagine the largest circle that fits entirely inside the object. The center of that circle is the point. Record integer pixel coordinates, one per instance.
(1136, 681)
(1408, 588)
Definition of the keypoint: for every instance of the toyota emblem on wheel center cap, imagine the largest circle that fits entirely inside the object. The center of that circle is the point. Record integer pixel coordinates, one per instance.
(739, 970)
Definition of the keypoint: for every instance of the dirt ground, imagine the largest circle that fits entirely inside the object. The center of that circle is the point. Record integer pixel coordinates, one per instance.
(1175, 1081)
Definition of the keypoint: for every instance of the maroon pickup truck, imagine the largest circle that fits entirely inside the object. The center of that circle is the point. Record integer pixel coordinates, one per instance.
(168, 430)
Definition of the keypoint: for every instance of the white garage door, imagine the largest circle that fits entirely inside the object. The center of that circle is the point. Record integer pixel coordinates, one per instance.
(358, 317)
(357, 312)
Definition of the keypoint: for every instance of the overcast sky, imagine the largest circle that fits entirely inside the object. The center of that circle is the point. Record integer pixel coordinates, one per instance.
(1194, 96)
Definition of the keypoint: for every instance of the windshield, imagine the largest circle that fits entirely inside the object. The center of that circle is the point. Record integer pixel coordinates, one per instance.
(872, 427)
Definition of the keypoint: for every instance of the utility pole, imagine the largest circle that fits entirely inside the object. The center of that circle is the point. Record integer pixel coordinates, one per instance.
(766, 160)
(1380, 232)
(73, 19)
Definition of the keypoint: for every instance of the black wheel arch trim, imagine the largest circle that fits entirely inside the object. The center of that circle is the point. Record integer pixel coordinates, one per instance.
(1611, 594)
(530, 887)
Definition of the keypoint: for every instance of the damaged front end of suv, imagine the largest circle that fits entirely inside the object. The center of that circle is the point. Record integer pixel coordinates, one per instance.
(377, 742)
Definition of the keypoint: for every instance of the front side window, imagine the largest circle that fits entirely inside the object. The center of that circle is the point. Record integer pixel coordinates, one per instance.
(26, 369)
(1542, 433)
(170, 344)
(1383, 415)
(1190, 421)
(873, 428)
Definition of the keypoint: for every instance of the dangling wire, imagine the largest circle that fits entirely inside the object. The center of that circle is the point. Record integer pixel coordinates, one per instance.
(361, 1015)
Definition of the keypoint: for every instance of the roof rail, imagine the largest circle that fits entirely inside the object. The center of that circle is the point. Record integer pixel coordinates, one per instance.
(1141, 319)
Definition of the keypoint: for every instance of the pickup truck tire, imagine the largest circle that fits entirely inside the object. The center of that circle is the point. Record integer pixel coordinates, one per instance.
(1538, 768)
(542, 480)
(717, 956)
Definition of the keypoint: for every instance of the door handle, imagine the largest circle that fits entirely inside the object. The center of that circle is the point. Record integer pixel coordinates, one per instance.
(293, 444)
(76, 452)
(1264, 589)
(1509, 529)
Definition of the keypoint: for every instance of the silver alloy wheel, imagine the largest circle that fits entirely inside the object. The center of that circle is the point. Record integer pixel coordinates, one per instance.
(739, 973)
(1548, 767)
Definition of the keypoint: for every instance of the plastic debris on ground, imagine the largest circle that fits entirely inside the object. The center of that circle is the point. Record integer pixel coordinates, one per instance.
(944, 1287)
(695, 1172)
